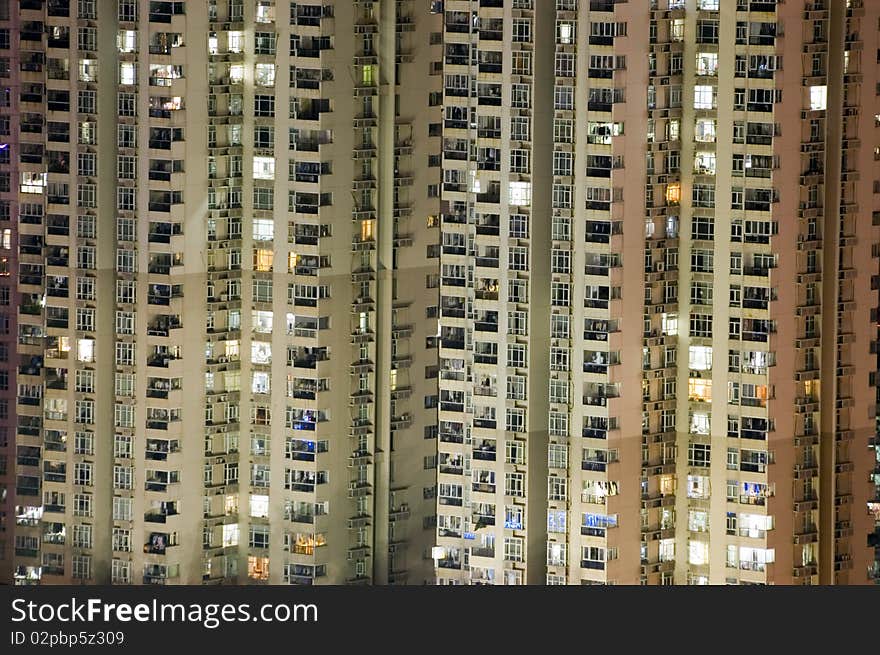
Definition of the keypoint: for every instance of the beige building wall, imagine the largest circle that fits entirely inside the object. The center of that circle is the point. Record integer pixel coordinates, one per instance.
(252, 398)
(752, 369)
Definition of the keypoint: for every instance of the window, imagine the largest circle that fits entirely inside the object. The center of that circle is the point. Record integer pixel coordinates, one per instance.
(563, 130)
(522, 30)
(818, 97)
(519, 161)
(700, 358)
(707, 31)
(520, 96)
(520, 193)
(565, 64)
(562, 163)
(264, 74)
(704, 97)
(698, 454)
(513, 484)
(264, 168)
(707, 63)
(704, 130)
(563, 98)
(565, 32)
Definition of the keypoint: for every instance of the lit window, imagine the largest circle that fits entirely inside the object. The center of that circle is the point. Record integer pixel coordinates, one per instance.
(520, 194)
(33, 182)
(260, 382)
(676, 29)
(263, 260)
(230, 534)
(264, 229)
(265, 74)
(669, 324)
(700, 389)
(258, 568)
(602, 132)
(264, 168)
(697, 486)
(85, 350)
(126, 41)
(566, 33)
(698, 553)
(262, 321)
(673, 194)
(127, 73)
(700, 358)
(704, 97)
(704, 163)
(699, 423)
(265, 13)
(236, 74)
(707, 63)
(261, 352)
(818, 97)
(259, 506)
(88, 70)
(704, 130)
(235, 42)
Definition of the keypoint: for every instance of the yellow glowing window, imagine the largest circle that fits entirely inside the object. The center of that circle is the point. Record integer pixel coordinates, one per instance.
(304, 544)
(258, 568)
(667, 484)
(367, 230)
(291, 261)
(699, 389)
(811, 388)
(369, 74)
(673, 194)
(263, 259)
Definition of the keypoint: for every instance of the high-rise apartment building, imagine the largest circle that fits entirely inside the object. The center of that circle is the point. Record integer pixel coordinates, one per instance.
(226, 214)
(658, 292)
(545, 291)
(9, 174)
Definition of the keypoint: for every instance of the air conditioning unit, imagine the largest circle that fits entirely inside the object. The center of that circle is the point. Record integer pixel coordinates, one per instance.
(660, 267)
(223, 359)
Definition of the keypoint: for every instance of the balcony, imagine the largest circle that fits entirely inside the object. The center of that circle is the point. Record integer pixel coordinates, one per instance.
(452, 437)
(484, 452)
